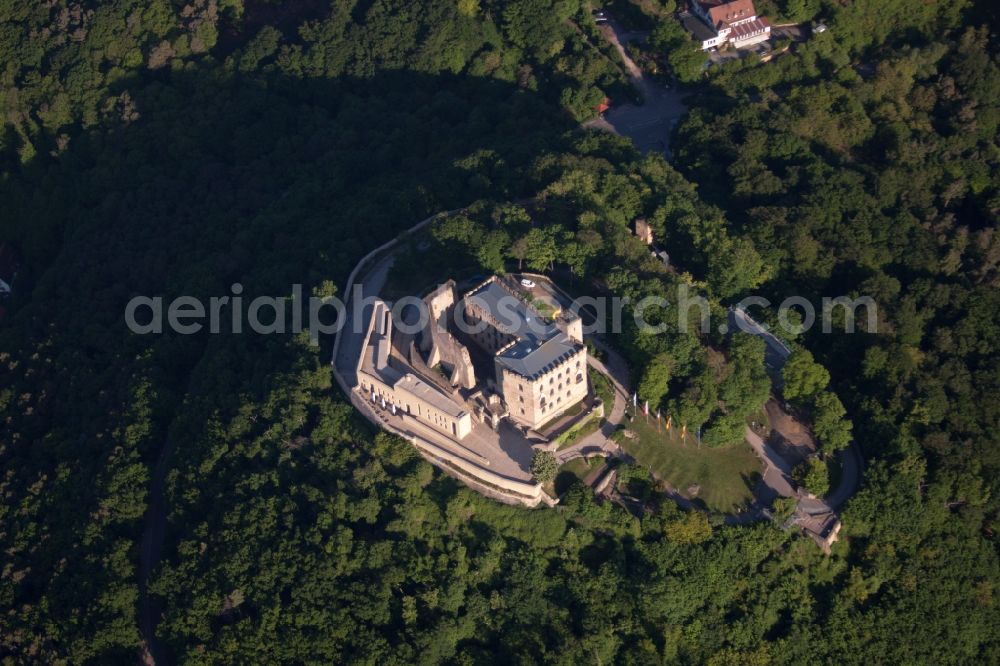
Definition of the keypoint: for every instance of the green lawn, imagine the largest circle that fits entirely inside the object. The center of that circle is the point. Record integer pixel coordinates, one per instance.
(571, 471)
(602, 389)
(726, 476)
(575, 434)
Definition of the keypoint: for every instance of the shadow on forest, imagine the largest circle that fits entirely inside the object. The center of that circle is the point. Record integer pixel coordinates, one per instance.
(204, 178)
(564, 481)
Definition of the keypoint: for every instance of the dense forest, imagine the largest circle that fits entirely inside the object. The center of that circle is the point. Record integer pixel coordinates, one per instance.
(164, 147)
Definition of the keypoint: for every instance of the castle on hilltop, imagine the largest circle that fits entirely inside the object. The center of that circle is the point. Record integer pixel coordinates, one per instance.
(485, 357)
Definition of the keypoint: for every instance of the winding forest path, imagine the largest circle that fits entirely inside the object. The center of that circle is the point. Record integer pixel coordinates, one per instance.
(775, 355)
(600, 440)
(150, 551)
(777, 473)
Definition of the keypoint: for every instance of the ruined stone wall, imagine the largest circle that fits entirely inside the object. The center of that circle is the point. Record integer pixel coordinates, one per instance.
(484, 328)
(441, 346)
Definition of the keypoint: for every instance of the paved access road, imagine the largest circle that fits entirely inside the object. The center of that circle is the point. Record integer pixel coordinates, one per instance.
(852, 465)
(600, 440)
(352, 335)
(150, 551)
(775, 355)
(777, 474)
(650, 124)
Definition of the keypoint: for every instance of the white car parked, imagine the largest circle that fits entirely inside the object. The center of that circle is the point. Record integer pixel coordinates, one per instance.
(525, 282)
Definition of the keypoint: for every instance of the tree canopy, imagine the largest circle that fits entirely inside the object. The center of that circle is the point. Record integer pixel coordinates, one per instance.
(161, 148)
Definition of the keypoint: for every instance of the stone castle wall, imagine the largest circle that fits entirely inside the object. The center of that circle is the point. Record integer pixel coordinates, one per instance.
(440, 346)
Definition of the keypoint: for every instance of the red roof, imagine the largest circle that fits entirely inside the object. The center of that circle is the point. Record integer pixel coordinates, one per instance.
(724, 13)
(748, 29)
(604, 105)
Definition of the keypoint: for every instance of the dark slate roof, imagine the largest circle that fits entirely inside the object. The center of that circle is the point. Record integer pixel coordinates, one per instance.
(530, 359)
(697, 27)
(515, 316)
(540, 345)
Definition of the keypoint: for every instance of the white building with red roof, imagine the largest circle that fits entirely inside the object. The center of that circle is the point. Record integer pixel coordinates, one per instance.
(735, 22)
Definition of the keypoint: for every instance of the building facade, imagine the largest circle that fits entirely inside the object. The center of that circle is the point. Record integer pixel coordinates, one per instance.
(536, 399)
(391, 386)
(540, 367)
(643, 230)
(734, 22)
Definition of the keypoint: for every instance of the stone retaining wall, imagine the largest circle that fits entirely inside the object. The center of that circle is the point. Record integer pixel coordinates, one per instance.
(484, 481)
